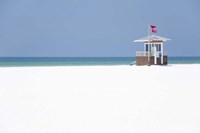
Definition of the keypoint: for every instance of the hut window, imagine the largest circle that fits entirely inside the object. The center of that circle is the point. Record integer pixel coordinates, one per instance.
(146, 47)
(159, 47)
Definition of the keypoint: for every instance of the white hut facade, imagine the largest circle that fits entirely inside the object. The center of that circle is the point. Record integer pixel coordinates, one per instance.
(153, 53)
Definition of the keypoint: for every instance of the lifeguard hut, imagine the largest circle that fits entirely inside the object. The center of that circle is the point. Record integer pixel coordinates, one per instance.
(153, 53)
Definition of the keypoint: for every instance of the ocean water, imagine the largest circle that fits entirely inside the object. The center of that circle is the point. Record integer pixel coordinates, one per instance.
(83, 61)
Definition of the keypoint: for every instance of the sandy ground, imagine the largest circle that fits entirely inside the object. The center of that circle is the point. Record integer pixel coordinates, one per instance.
(100, 99)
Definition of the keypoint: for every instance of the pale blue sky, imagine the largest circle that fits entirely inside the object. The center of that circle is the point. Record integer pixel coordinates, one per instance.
(96, 27)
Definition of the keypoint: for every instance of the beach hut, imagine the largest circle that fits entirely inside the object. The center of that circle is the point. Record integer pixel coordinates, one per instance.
(153, 53)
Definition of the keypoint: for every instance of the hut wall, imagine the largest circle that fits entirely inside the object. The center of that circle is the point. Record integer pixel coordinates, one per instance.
(143, 60)
(165, 60)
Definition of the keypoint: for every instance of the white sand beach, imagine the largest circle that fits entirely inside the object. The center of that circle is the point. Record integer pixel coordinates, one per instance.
(100, 99)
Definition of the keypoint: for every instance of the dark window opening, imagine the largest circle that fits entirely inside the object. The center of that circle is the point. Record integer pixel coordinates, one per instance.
(147, 48)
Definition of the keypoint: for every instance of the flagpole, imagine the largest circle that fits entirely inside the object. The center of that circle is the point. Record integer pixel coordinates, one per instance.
(148, 46)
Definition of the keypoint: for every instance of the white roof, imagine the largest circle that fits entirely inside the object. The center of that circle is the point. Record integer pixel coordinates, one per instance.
(152, 38)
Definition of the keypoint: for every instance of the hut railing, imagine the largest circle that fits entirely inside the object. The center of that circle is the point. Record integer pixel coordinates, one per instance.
(143, 53)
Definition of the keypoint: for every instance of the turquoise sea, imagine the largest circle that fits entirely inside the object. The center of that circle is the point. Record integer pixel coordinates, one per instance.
(82, 61)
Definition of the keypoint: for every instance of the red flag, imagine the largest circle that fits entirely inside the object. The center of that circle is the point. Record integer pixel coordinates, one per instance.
(154, 31)
(153, 26)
